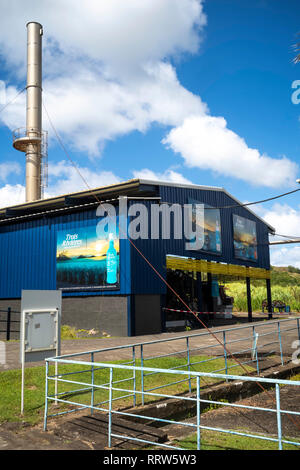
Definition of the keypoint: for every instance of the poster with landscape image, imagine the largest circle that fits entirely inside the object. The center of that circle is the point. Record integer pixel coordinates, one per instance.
(244, 238)
(212, 242)
(82, 259)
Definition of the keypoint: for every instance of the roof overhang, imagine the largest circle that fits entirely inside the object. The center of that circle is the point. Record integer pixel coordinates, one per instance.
(78, 200)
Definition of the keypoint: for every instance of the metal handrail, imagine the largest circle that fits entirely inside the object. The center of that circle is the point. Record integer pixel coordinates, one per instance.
(223, 345)
(176, 338)
(130, 392)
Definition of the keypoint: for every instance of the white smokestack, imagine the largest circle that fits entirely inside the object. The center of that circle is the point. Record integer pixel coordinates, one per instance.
(30, 140)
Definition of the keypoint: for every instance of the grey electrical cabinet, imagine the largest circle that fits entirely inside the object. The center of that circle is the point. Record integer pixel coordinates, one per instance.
(40, 325)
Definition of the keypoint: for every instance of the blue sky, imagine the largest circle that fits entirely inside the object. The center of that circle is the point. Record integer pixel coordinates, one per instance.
(180, 90)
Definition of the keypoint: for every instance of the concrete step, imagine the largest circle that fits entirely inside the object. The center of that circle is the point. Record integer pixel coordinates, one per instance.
(94, 429)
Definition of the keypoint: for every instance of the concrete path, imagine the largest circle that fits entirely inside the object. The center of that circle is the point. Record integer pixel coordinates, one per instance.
(238, 339)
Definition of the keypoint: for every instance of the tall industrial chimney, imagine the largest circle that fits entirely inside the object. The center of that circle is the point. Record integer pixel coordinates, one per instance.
(32, 140)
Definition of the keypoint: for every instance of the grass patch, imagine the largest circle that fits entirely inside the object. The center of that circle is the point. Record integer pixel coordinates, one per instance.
(211, 440)
(34, 399)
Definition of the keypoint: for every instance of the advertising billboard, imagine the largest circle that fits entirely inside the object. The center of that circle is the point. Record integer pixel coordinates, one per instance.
(212, 242)
(87, 259)
(244, 238)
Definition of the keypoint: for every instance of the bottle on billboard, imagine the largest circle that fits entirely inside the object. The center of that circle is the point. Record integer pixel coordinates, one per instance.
(218, 236)
(111, 262)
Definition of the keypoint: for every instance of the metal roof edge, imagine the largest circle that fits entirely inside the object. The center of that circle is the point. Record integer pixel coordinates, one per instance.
(181, 185)
(41, 203)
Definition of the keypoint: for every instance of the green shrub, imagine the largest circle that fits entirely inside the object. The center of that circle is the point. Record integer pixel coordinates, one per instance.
(68, 332)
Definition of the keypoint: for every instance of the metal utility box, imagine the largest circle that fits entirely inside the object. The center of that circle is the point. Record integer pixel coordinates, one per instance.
(40, 325)
(41, 330)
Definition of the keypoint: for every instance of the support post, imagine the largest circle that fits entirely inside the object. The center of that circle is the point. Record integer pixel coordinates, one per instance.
(92, 383)
(110, 406)
(142, 375)
(199, 292)
(188, 362)
(269, 297)
(278, 413)
(254, 350)
(163, 304)
(225, 353)
(46, 397)
(210, 298)
(198, 414)
(8, 324)
(23, 362)
(249, 302)
(280, 343)
(134, 376)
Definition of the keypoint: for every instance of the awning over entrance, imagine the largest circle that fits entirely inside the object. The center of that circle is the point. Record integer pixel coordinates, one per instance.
(191, 264)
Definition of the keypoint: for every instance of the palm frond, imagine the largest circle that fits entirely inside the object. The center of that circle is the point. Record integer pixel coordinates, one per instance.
(296, 59)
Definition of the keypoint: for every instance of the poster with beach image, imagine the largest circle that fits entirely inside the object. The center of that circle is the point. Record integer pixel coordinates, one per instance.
(244, 238)
(87, 260)
(212, 242)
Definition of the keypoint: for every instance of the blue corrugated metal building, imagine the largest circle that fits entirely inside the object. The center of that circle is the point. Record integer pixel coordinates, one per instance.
(29, 245)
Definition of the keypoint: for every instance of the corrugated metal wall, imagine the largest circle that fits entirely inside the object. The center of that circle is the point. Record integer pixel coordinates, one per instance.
(28, 249)
(28, 254)
(144, 279)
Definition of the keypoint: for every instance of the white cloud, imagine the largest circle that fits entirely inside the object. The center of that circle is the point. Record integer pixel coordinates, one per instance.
(14, 114)
(89, 110)
(168, 176)
(11, 195)
(107, 72)
(206, 142)
(63, 179)
(286, 221)
(286, 256)
(113, 33)
(284, 218)
(9, 168)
